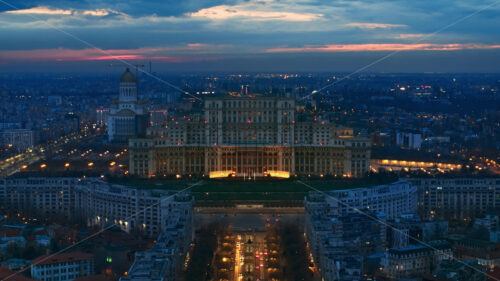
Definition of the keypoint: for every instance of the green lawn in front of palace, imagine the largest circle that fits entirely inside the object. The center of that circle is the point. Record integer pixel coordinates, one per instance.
(262, 185)
(227, 191)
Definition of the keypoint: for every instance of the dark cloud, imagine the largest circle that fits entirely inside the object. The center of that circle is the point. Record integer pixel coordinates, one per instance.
(163, 23)
(133, 7)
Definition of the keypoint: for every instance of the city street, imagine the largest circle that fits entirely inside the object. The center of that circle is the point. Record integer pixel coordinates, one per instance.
(240, 221)
(22, 161)
(249, 248)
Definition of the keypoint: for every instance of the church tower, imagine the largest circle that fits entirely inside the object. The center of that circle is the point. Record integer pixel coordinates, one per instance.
(128, 117)
(128, 87)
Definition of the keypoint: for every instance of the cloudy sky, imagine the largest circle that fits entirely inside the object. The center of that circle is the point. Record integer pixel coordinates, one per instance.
(252, 35)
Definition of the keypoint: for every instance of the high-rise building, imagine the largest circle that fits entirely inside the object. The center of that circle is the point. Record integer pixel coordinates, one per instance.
(343, 227)
(101, 116)
(456, 198)
(101, 203)
(409, 139)
(392, 199)
(127, 117)
(166, 258)
(250, 137)
(18, 138)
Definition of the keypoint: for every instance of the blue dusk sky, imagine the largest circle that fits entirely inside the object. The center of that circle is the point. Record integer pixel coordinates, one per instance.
(251, 35)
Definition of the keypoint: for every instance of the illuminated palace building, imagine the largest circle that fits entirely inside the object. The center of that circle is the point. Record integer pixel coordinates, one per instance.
(250, 137)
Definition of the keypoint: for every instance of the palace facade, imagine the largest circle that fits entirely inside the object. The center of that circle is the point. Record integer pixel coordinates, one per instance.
(249, 137)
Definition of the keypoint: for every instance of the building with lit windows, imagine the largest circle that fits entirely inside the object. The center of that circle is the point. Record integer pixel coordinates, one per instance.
(343, 227)
(166, 258)
(392, 199)
(100, 203)
(128, 116)
(250, 137)
(101, 116)
(457, 198)
(415, 261)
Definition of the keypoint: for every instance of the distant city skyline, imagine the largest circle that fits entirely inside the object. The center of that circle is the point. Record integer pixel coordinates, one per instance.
(236, 35)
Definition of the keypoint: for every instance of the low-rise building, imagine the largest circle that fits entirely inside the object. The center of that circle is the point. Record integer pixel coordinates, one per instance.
(458, 270)
(7, 274)
(417, 260)
(62, 267)
(484, 252)
(15, 264)
(19, 241)
(98, 277)
(410, 229)
(489, 221)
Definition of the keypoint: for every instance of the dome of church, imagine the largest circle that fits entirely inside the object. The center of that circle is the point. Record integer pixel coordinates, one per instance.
(128, 77)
